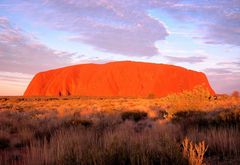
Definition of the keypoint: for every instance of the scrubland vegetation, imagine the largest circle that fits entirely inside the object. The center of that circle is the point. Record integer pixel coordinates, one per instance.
(188, 128)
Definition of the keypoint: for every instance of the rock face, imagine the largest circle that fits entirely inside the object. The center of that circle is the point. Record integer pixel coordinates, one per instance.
(123, 78)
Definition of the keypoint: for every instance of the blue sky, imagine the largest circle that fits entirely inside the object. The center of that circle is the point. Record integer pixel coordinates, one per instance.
(44, 34)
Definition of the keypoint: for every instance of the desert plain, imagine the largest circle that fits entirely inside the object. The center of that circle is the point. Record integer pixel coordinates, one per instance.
(191, 127)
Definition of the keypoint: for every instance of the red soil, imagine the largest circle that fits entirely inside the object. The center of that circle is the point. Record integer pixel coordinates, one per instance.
(123, 78)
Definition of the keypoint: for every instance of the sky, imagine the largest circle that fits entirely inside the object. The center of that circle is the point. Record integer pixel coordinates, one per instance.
(38, 35)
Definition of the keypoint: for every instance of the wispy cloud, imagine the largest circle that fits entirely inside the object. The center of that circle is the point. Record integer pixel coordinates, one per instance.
(232, 63)
(21, 52)
(224, 79)
(225, 82)
(191, 59)
(125, 27)
(218, 71)
(218, 21)
(122, 27)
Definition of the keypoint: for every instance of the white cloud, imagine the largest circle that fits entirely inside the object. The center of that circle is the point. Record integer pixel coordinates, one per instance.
(122, 27)
(189, 59)
(21, 52)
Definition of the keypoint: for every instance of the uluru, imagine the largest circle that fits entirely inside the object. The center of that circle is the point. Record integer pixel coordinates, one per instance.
(123, 78)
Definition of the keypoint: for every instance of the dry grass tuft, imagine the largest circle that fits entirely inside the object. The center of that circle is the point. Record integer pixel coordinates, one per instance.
(194, 152)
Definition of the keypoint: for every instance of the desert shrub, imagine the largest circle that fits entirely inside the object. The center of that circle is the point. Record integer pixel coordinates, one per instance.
(21, 144)
(224, 118)
(204, 120)
(134, 115)
(85, 123)
(4, 142)
(183, 115)
(228, 118)
(77, 122)
(20, 99)
(161, 113)
(197, 99)
(191, 119)
(4, 99)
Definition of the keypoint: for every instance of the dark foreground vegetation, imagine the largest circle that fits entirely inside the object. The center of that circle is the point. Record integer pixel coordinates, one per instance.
(189, 128)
